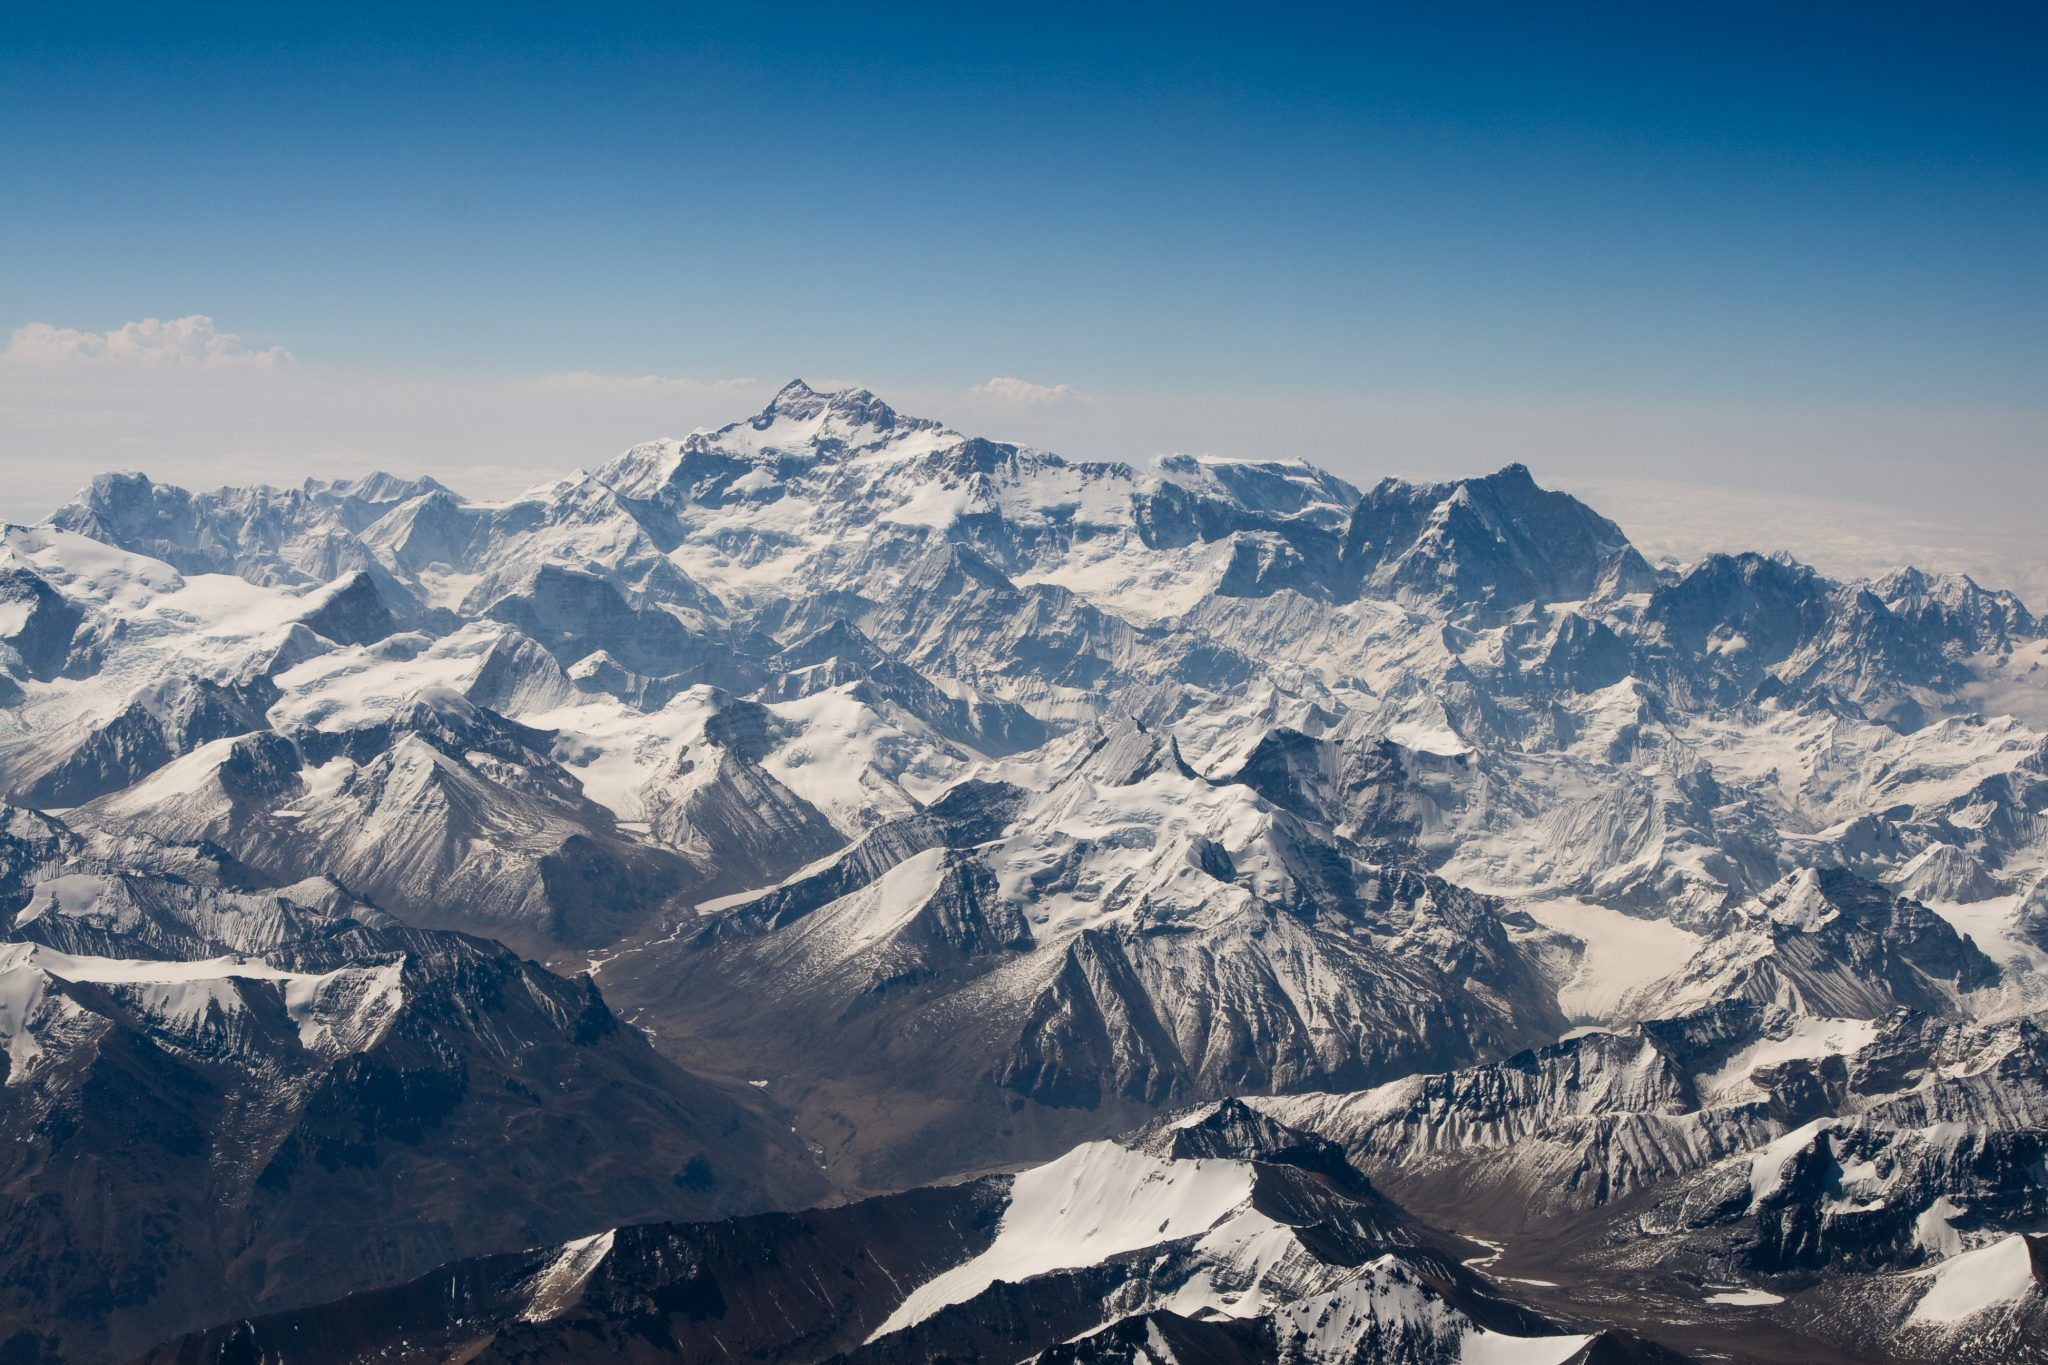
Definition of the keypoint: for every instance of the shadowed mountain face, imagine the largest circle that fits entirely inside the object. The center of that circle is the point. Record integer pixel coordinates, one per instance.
(1106, 1240)
(923, 807)
(219, 1097)
(1493, 543)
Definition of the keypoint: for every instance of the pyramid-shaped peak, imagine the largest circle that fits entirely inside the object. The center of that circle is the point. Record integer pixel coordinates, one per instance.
(798, 399)
(852, 407)
(953, 567)
(839, 640)
(378, 486)
(1126, 751)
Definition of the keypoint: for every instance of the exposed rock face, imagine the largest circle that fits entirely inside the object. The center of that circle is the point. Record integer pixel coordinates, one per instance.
(1493, 543)
(38, 624)
(1741, 1146)
(1827, 942)
(1986, 1305)
(351, 612)
(164, 722)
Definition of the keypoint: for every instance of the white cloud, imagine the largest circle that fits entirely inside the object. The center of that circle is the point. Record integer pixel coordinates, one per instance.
(187, 343)
(1021, 392)
(651, 385)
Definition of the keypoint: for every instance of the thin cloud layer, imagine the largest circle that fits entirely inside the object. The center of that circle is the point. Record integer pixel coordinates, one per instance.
(193, 342)
(1021, 392)
(588, 381)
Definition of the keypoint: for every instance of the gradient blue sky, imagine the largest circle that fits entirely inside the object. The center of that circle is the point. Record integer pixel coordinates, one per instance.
(1270, 225)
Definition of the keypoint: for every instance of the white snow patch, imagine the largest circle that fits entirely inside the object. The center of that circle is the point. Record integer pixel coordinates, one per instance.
(1097, 1201)
(1994, 926)
(1497, 1348)
(1806, 1038)
(1933, 1230)
(1746, 1298)
(1802, 905)
(1976, 1282)
(1622, 954)
(1768, 1164)
(357, 998)
(1425, 738)
(1494, 1252)
(555, 1287)
(20, 993)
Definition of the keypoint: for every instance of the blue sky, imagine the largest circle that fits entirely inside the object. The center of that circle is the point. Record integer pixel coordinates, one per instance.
(1612, 219)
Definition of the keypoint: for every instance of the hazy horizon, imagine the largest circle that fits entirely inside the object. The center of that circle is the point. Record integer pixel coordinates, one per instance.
(1669, 518)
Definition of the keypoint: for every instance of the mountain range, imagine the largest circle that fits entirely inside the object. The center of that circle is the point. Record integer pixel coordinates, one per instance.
(831, 887)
